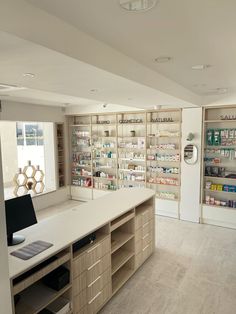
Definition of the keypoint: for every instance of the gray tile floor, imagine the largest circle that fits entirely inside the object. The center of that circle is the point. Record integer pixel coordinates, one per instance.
(192, 271)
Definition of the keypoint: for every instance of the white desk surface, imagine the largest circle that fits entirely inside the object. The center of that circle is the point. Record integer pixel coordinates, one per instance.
(68, 227)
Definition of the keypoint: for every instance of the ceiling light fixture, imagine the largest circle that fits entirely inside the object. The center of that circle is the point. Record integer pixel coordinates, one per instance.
(138, 5)
(29, 75)
(94, 90)
(221, 90)
(200, 67)
(163, 59)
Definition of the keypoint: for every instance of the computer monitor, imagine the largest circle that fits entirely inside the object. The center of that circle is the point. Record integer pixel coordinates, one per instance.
(20, 214)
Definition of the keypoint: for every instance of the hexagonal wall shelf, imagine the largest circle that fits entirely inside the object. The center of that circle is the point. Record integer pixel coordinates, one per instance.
(31, 179)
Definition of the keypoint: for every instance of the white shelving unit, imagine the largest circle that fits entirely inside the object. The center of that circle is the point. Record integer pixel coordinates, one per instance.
(163, 153)
(219, 166)
(104, 143)
(130, 149)
(81, 156)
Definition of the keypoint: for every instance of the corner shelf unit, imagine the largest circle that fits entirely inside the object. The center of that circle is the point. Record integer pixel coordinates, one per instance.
(129, 149)
(60, 154)
(219, 161)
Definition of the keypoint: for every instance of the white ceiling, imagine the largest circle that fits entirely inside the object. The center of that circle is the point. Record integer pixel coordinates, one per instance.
(61, 79)
(191, 32)
(75, 46)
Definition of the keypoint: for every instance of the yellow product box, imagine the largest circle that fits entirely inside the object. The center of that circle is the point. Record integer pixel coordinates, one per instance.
(213, 187)
(219, 187)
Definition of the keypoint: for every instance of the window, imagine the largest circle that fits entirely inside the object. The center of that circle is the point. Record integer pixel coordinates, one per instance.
(23, 142)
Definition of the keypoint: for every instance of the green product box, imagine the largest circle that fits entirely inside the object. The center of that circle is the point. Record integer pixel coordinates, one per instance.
(216, 137)
(210, 134)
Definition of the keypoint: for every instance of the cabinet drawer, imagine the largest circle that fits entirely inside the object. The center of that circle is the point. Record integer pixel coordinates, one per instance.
(144, 230)
(142, 255)
(79, 265)
(138, 259)
(145, 240)
(90, 257)
(98, 284)
(98, 268)
(96, 252)
(147, 227)
(79, 301)
(143, 217)
(99, 299)
(79, 283)
(147, 251)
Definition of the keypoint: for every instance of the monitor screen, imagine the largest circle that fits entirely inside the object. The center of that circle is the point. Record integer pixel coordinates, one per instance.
(20, 214)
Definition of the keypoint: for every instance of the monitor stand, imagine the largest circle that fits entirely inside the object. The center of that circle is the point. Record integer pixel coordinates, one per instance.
(15, 239)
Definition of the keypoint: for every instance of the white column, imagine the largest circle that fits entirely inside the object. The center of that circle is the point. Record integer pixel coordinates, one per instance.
(190, 174)
(5, 293)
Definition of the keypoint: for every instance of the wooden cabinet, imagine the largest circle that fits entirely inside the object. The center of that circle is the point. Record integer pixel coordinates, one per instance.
(33, 294)
(97, 270)
(92, 273)
(144, 232)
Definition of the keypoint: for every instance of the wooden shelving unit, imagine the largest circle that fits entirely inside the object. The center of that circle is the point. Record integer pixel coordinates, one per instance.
(122, 249)
(81, 152)
(34, 294)
(60, 134)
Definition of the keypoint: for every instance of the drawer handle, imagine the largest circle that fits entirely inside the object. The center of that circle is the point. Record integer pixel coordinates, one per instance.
(97, 295)
(146, 235)
(92, 249)
(92, 283)
(146, 247)
(97, 262)
(147, 223)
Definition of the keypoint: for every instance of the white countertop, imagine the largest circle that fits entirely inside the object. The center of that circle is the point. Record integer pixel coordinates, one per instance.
(68, 227)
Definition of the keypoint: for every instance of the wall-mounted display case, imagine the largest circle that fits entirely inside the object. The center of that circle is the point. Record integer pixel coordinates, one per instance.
(219, 164)
(129, 149)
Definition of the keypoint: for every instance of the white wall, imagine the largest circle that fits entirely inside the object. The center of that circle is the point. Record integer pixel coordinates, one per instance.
(82, 109)
(190, 174)
(9, 146)
(16, 111)
(5, 294)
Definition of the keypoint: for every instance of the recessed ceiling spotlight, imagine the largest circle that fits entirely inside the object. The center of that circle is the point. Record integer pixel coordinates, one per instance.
(217, 91)
(29, 75)
(221, 90)
(138, 5)
(104, 105)
(199, 85)
(94, 90)
(200, 67)
(163, 59)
